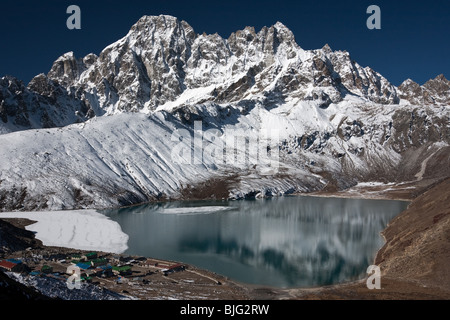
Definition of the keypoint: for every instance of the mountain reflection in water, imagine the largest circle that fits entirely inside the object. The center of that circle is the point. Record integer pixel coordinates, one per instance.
(293, 241)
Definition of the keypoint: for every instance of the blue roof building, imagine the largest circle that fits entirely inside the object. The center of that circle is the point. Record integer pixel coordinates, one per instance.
(83, 266)
(15, 261)
(105, 267)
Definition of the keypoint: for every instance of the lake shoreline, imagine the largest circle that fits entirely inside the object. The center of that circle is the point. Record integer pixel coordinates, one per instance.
(394, 286)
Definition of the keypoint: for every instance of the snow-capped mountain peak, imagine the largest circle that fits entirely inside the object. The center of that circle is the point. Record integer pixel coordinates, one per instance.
(162, 63)
(162, 59)
(434, 92)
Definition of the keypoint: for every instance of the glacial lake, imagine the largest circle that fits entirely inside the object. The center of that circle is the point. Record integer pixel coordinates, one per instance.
(285, 242)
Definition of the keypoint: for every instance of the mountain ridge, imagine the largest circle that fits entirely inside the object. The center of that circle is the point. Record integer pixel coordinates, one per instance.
(162, 57)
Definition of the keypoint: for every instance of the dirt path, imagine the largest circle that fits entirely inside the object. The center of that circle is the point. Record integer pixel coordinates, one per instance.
(420, 174)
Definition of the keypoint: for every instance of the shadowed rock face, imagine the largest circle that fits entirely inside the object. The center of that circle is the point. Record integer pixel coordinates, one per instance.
(14, 239)
(44, 103)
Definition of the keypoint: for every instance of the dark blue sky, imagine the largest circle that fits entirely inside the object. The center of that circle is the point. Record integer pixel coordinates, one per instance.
(413, 42)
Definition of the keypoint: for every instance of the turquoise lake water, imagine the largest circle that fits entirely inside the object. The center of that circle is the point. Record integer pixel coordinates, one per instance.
(284, 242)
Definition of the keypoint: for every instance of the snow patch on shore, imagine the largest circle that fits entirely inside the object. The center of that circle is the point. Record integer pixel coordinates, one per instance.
(77, 229)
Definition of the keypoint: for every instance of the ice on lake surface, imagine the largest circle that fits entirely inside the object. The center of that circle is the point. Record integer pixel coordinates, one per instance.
(194, 210)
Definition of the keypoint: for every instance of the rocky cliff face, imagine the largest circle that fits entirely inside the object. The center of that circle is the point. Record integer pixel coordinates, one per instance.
(433, 92)
(339, 123)
(44, 103)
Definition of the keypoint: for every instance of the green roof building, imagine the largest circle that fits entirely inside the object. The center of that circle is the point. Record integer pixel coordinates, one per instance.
(98, 262)
(123, 270)
(46, 269)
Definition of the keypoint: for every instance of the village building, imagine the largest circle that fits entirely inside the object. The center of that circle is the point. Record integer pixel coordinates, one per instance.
(89, 256)
(125, 259)
(98, 272)
(123, 270)
(172, 269)
(15, 261)
(107, 272)
(76, 258)
(89, 272)
(149, 264)
(141, 259)
(56, 257)
(115, 259)
(86, 278)
(14, 265)
(83, 265)
(9, 266)
(98, 262)
(46, 269)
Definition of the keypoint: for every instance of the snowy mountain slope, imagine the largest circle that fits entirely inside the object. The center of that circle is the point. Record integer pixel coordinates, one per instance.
(316, 118)
(133, 158)
(107, 161)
